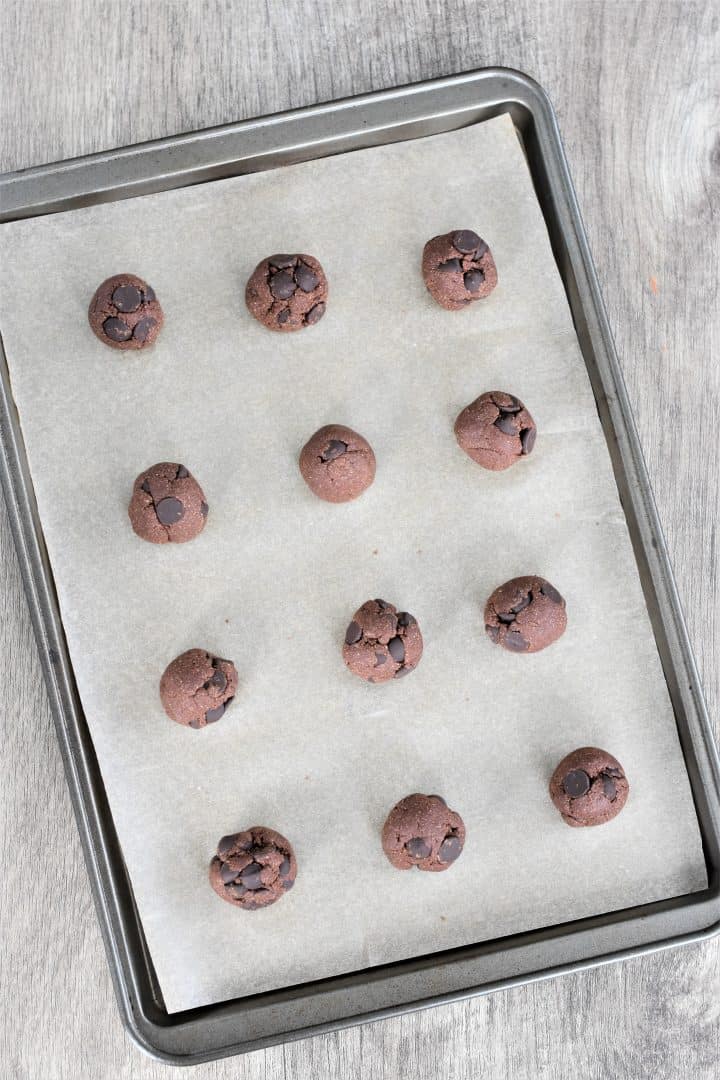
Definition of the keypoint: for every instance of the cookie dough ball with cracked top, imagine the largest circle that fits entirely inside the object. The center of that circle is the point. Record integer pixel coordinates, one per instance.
(124, 313)
(496, 430)
(253, 868)
(589, 787)
(337, 464)
(525, 614)
(287, 292)
(167, 505)
(382, 643)
(197, 687)
(458, 268)
(423, 832)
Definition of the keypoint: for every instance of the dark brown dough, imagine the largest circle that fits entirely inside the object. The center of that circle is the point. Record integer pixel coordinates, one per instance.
(197, 687)
(253, 868)
(422, 831)
(458, 268)
(382, 643)
(496, 430)
(287, 292)
(525, 614)
(167, 505)
(589, 787)
(337, 464)
(124, 313)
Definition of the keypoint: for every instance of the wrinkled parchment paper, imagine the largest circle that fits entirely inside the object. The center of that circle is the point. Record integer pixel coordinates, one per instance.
(272, 582)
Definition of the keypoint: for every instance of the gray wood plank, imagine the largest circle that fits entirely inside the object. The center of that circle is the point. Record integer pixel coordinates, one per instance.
(637, 92)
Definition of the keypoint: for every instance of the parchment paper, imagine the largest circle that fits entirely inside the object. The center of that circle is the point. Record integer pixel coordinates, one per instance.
(307, 748)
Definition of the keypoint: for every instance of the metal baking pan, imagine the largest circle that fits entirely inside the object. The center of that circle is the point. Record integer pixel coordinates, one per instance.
(260, 1020)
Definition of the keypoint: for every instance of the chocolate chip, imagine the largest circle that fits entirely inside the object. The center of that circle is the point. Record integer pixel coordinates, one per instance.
(117, 330)
(218, 680)
(527, 439)
(466, 241)
(452, 266)
(149, 295)
(282, 285)
(396, 648)
(250, 876)
(506, 617)
(263, 852)
(169, 510)
(439, 798)
(212, 715)
(473, 279)
(127, 298)
(281, 262)
(236, 890)
(405, 618)
(380, 658)
(513, 407)
(382, 604)
(450, 849)
(145, 486)
(287, 883)
(506, 424)
(522, 604)
(493, 632)
(551, 592)
(143, 328)
(204, 509)
(195, 724)
(576, 783)
(284, 868)
(334, 449)
(306, 278)
(514, 640)
(227, 873)
(613, 772)
(609, 788)
(283, 315)
(418, 848)
(482, 249)
(181, 472)
(353, 633)
(226, 845)
(315, 314)
(402, 672)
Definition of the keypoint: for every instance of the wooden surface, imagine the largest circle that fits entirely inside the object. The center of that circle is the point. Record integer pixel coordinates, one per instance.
(637, 89)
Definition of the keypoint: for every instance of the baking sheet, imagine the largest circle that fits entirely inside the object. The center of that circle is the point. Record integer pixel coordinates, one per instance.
(273, 580)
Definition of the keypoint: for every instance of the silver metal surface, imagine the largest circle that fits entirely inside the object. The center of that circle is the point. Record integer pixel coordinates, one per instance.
(260, 1020)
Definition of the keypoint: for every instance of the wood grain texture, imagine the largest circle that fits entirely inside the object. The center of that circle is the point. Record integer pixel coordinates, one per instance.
(637, 91)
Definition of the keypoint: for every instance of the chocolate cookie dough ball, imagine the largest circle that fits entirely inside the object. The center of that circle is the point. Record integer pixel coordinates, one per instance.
(124, 313)
(287, 292)
(525, 615)
(422, 831)
(496, 430)
(382, 643)
(458, 268)
(167, 505)
(197, 687)
(337, 464)
(254, 868)
(589, 787)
